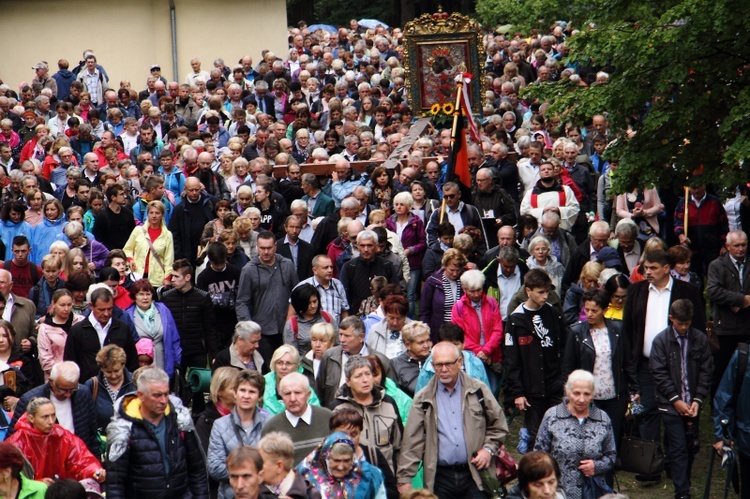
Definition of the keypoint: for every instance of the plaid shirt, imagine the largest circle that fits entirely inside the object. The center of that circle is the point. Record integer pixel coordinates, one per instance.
(332, 299)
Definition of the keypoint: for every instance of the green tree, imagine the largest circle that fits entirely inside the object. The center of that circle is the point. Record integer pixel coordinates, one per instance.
(680, 81)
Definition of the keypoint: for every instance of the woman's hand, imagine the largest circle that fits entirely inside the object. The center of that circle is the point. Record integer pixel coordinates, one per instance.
(9, 404)
(48, 481)
(100, 475)
(587, 467)
(92, 267)
(132, 265)
(25, 346)
(483, 357)
(636, 398)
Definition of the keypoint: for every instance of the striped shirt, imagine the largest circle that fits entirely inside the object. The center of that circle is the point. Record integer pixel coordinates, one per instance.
(332, 299)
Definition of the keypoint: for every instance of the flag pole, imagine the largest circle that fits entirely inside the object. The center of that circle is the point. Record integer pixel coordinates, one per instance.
(456, 116)
(685, 220)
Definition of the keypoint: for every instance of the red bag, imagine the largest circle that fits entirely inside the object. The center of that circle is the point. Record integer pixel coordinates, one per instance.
(507, 467)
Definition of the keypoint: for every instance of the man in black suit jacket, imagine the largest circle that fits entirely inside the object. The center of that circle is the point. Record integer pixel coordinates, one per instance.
(598, 238)
(294, 248)
(645, 316)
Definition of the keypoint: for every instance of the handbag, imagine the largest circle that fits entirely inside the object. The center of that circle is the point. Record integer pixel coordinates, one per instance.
(640, 456)
(594, 487)
(506, 466)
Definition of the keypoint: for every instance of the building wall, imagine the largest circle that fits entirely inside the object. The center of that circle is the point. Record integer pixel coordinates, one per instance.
(128, 37)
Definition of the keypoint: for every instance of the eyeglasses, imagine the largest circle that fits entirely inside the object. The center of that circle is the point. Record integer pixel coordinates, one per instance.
(65, 390)
(439, 366)
(450, 196)
(619, 297)
(284, 363)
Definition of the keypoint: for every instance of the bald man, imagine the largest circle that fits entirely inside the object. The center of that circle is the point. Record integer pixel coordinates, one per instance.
(212, 183)
(189, 217)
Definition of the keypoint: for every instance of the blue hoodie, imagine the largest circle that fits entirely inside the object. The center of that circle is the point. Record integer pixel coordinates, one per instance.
(9, 230)
(64, 78)
(42, 237)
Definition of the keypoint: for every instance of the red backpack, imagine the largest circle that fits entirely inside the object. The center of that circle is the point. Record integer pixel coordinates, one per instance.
(294, 322)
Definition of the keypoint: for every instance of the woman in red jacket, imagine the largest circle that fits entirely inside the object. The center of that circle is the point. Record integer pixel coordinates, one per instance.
(52, 450)
(479, 316)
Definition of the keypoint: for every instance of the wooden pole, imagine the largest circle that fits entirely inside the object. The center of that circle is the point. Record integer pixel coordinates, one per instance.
(687, 202)
(456, 116)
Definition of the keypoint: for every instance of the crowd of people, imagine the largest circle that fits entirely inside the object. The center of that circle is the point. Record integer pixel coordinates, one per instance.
(367, 330)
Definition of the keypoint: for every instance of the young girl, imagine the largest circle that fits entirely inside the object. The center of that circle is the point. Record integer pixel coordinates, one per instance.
(95, 205)
(54, 328)
(321, 339)
(41, 293)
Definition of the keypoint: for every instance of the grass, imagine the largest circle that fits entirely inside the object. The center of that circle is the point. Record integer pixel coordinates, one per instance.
(664, 489)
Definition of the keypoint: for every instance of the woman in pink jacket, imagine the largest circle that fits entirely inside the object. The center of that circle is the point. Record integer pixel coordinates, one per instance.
(479, 316)
(54, 327)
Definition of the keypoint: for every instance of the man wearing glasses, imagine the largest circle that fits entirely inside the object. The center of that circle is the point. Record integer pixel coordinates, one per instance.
(458, 213)
(72, 401)
(455, 422)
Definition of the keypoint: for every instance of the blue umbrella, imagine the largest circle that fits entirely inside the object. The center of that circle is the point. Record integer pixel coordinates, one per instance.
(324, 27)
(371, 23)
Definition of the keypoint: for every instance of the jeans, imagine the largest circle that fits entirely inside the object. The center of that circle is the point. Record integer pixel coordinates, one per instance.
(451, 483)
(650, 421)
(411, 291)
(680, 457)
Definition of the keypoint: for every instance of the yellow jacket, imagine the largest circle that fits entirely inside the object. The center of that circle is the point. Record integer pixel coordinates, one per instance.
(137, 248)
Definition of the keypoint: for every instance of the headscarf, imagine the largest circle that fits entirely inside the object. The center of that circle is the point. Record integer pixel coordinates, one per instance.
(314, 468)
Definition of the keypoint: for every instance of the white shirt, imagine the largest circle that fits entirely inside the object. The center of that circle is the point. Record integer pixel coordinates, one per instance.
(101, 331)
(306, 417)
(64, 409)
(508, 287)
(8, 312)
(657, 314)
(306, 234)
(454, 217)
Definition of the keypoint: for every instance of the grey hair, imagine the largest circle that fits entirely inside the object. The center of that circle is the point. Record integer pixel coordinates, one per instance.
(508, 254)
(296, 204)
(355, 362)
(606, 275)
(599, 226)
(294, 379)
(245, 329)
(98, 292)
(342, 449)
(15, 175)
(626, 226)
(73, 171)
(67, 371)
(580, 375)
(551, 216)
(537, 240)
(367, 234)
(472, 279)
(354, 323)
(150, 376)
(350, 204)
(34, 404)
(72, 229)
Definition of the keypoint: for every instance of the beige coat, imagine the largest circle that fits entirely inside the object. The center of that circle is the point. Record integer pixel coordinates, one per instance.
(137, 249)
(482, 428)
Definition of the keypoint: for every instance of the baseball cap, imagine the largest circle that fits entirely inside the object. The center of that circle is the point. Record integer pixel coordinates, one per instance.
(40, 65)
(155, 66)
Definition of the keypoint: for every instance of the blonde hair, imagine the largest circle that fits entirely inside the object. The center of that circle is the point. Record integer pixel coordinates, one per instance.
(591, 270)
(323, 330)
(281, 351)
(222, 379)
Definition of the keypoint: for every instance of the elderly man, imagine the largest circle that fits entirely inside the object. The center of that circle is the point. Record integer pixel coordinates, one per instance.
(458, 213)
(318, 203)
(212, 182)
(20, 312)
(628, 246)
(153, 448)
(73, 402)
(243, 352)
(505, 171)
(265, 287)
(298, 208)
(306, 425)
(562, 241)
(587, 251)
(100, 329)
(357, 273)
(495, 205)
(344, 180)
(456, 423)
(728, 290)
(331, 374)
(197, 74)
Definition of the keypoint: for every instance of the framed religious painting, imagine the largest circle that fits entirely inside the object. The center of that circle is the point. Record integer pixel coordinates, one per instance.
(439, 47)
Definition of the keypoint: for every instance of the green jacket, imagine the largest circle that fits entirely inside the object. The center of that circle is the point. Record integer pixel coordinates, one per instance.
(271, 401)
(31, 489)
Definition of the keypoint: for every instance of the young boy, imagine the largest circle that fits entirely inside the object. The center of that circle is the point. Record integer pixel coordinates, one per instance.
(534, 343)
(41, 293)
(680, 364)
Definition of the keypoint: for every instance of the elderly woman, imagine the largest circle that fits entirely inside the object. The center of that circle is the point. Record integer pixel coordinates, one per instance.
(54, 452)
(334, 472)
(96, 253)
(15, 483)
(385, 336)
(538, 477)
(479, 316)
(153, 320)
(285, 360)
(407, 366)
(54, 328)
(578, 435)
(411, 231)
(150, 248)
(441, 291)
(112, 382)
(598, 345)
(542, 258)
(573, 310)
(247, 237)
(383, 427)
(305, 301)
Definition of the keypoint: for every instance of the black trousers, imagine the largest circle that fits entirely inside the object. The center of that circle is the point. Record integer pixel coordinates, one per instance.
(727, 346)
(452, 482)
(615, 409)
(534, 415)
(268, 345)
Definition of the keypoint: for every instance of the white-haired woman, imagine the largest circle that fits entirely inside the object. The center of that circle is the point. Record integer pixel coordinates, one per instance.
(479, 316)
(579, 436)
(410, 229)
(285, 360)
(541, 258)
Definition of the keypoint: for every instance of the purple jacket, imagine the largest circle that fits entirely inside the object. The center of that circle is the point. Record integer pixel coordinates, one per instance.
(432, 306)
(95, 252)
(413, 237)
